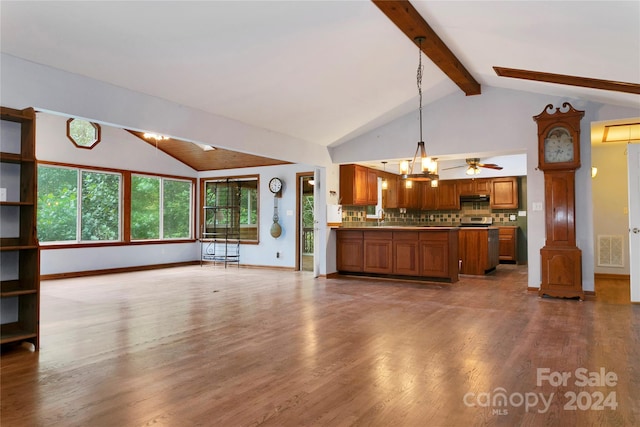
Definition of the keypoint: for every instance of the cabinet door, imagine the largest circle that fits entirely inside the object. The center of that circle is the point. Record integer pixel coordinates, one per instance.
(405, 253)
(378, 256)
(434, 254)
(409, 197)
(508, 243)
(361, 189)
(372, 187)
(504, 193)
(482, 186)
(390, 195)
(448, 196)
(466, 186)
(429, 197)
(349, 251)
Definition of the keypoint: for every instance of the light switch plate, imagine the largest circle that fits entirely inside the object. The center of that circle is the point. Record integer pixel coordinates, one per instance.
(512, 217)
(3, 194)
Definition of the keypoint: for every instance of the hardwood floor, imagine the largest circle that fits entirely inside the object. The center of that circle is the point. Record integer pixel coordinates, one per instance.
(205, 346)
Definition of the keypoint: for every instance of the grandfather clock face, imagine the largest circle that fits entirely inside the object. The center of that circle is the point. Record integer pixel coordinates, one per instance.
(558, 146)
(558, 158)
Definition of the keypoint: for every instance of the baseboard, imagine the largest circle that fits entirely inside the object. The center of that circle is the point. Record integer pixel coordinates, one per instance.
(608, 276)
(333, 275)
(115, 270)
(589, 293)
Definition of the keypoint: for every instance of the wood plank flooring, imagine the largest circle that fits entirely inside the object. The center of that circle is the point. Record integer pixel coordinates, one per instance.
(205, 346)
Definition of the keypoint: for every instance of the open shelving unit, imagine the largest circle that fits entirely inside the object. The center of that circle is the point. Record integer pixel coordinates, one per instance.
(19, 249)
(220, 233)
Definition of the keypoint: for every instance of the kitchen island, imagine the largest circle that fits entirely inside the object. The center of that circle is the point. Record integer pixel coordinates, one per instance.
(478, 250)
(426, 253)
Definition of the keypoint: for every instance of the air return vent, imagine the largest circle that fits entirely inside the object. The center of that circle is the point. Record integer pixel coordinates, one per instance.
(610, 251)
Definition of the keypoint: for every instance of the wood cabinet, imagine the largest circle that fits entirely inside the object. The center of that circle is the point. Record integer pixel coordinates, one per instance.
(409, 197)
(378, 256)
(401, 251)
(405, 253)
(439, 254)
(474, 186)
(350, 251)
(448, 195)
(19, 250)
(504, 193)
(428, 197)
(478, 250)
(390, 195)
(508, 243)
(358, 185)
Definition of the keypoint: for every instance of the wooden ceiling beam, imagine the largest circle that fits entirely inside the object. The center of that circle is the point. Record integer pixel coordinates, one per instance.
(412, 24)
(563, 79)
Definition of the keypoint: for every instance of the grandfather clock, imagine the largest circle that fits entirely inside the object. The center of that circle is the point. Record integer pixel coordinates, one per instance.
(558, 158)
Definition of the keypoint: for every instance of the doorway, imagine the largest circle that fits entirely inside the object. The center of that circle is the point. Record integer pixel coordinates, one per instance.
(305, 222)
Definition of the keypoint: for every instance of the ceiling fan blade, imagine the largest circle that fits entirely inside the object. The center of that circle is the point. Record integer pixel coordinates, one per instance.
(454, 167)
(489, 166)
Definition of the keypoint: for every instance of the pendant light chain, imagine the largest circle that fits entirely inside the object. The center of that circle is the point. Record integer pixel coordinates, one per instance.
(419, 81)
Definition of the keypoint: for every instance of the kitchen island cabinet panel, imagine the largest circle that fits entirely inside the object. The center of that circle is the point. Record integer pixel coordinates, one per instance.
(417, 252)
(479, 250)
(405, 253)
(439, 254)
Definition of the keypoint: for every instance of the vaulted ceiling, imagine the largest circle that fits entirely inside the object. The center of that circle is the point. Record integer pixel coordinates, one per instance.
(323, 71)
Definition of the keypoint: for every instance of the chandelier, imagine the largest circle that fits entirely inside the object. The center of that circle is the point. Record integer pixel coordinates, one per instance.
(427, 170)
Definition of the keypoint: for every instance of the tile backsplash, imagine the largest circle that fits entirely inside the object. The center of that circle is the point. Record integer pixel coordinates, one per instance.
(356, 216)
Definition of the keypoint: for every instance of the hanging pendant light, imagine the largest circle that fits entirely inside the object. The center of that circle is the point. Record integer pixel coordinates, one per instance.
(428, 166)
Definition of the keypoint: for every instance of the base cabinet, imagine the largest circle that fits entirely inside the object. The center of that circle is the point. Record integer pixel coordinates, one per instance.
(479, 250)
(409, 252)
(508, 238)
(378, 256)
(350, 251)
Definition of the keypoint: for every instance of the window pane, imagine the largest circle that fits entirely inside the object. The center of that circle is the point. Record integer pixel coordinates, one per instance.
(145, 208)
(221, 193)
(100, 210)
(176, 209)
(57, 204)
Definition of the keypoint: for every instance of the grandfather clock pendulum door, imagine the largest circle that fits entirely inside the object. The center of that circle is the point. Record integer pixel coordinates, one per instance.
(558, 158)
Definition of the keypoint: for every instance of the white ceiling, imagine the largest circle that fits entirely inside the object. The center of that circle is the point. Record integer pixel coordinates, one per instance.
(322, 71)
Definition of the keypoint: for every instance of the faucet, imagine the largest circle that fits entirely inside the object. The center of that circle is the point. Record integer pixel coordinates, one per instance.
(380, 216)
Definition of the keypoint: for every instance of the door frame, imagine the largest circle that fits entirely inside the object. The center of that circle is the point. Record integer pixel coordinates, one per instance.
(633, 177)
(299, 175)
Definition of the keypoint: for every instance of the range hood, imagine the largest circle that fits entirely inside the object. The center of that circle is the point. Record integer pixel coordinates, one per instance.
(474, 197)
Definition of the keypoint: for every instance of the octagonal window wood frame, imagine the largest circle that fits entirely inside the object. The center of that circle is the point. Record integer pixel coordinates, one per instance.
(79, 144)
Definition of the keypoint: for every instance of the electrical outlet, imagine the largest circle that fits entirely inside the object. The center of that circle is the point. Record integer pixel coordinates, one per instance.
(512, 217)
(277, 254)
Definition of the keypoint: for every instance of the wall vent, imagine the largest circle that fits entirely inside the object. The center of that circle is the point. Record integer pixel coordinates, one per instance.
(610, 251)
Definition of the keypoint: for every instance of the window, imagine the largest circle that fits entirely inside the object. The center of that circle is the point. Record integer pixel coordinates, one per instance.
(76, 205)
(160, 208)
(83, 133)
(219, 192)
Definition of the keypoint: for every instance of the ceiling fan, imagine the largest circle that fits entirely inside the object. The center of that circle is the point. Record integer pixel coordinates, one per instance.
(473, 166)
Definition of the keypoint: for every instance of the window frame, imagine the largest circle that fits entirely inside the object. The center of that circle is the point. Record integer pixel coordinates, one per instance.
(125, 217)
(202, 189)
(96, 126)
(162, 179)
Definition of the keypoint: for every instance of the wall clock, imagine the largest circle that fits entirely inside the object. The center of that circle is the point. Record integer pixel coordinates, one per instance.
(558, 158)
(275, 185)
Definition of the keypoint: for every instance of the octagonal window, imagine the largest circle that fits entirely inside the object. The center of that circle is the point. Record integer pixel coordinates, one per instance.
(83, 133)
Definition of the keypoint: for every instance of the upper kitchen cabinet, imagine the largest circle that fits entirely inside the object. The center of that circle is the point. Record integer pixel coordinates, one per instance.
(409, 196)
(358, 185)
(448, 195)
(474, 186)
(429, 199)
(504, 193)
(390, 193)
